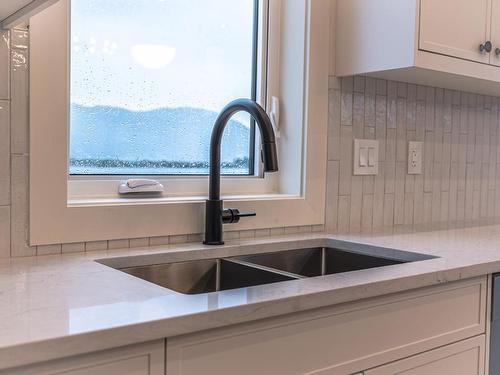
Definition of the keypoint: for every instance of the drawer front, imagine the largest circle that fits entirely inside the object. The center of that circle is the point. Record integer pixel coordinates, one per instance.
(463, 358)
(338, 340)
(142, 359)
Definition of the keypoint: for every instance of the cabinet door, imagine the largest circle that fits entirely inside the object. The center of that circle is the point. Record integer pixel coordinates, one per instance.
(495, 32)
(142, 359)
(455, 27)
(463, 358)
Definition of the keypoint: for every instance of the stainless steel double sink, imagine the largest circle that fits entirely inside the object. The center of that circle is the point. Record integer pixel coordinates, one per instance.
(211, 275)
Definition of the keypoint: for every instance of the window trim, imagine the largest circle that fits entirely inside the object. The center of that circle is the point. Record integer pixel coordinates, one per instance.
(303, 88)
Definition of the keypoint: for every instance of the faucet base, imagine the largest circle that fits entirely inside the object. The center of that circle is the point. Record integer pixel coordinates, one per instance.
(213, 222)
(213, 243)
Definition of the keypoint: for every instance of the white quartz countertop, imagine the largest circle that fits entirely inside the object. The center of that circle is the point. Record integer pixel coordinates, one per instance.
(58, 306)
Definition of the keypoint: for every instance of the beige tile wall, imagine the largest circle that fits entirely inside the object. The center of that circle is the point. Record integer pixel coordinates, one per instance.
(461, 179)
(14, 168)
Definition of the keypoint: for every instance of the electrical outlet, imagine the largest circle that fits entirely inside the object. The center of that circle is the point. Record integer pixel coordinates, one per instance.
(415, 151)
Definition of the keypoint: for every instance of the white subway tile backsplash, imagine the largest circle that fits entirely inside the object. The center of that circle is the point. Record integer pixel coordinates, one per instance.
(344, 212)
(247, 234)
(461, 161)
(159, 241)
(19, 39)
(4, 65)
(334, 125)
(259, 233)
(346, 160)
(118, 244)
(359, 84)
(19, 101)
(19, 207)
(277, 231)
(48, 250)
(367, 212)
(318, 228)
(71, 248)
(346, 101)
(305, 229)
(96, 246)
(381, 87)
(141, 242)
(4, 232)
(332, 192)
(4, 152)
(174, 239)
(195, 237)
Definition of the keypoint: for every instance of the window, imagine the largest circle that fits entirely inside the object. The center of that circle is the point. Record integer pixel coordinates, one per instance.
(292, 59)
(148, 79)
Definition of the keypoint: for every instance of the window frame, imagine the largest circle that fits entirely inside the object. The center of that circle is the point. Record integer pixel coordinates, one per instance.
(85, 188)
(297, 198)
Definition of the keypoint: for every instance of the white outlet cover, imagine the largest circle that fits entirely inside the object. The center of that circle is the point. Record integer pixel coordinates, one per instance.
(415, 157)
(366, 153)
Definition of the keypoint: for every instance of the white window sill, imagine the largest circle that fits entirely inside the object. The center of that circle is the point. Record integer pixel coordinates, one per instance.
(133, 201)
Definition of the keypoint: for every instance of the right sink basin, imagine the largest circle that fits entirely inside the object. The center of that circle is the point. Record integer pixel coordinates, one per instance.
(322, 261)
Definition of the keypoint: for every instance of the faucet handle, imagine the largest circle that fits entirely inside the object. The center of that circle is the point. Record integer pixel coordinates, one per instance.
(247, 214)
(233, 215)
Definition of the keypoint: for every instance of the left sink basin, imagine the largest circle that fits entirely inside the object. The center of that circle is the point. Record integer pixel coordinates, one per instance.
(206, 276)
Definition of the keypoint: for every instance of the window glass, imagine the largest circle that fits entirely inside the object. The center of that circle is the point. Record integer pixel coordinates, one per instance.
(148, 79)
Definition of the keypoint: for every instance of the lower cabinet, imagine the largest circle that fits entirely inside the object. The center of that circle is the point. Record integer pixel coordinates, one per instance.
(462, 358)
(346, 339)
(142, 359)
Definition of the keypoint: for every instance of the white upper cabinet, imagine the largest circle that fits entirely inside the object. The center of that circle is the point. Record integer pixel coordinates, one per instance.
(495, 33)
(456, 28)
(452, 44)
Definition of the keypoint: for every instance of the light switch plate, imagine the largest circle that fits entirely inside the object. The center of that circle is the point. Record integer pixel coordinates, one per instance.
(366, 153)
(415, 156)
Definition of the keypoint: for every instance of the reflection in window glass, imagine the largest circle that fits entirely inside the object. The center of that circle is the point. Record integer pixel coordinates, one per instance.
(148, 78)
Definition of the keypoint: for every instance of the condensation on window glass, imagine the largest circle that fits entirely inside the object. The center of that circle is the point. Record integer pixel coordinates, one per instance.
(148, 79)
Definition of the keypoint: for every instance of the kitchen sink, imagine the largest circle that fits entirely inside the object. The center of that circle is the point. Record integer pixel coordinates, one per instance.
(205, 276)
(212, 275)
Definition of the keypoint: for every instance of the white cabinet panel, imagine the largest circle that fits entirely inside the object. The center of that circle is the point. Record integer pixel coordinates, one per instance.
(142, 359)
(495, 32)
(462, 358)
(455, 27)
(337, 340)
(132, 366)
(425, 42)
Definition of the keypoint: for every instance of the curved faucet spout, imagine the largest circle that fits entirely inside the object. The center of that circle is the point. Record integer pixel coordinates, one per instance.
(266, 131)
(215, 214)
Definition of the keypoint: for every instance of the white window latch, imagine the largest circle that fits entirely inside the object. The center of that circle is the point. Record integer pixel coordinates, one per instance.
(275, 115)
(141, 186)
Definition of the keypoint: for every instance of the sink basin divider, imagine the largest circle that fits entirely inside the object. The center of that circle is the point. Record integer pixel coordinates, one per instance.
(265, 268)
(217, 275)
(323, 261)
